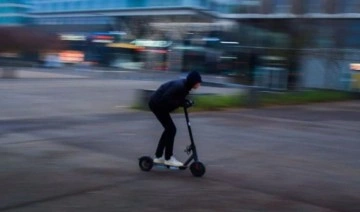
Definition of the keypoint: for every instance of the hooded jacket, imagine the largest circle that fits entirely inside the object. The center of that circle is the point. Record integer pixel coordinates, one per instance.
(172, 94)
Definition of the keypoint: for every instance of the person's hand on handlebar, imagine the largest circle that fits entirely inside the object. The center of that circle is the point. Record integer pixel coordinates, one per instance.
(188, 103)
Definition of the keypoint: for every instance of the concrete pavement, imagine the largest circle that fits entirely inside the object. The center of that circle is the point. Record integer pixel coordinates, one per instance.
(68, 145)
(254, 162)
(76, 72)
(43, 93)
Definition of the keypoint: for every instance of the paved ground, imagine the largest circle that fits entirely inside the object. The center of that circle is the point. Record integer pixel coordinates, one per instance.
(53, 92)
(104, 73)
(303, 158)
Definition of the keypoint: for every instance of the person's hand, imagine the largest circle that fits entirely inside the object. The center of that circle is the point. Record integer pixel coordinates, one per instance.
(188, 103)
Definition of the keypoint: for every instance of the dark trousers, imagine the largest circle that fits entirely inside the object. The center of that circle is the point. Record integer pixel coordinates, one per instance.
(166, 141)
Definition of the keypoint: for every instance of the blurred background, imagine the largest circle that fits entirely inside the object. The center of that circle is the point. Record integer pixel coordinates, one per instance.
(277, 44)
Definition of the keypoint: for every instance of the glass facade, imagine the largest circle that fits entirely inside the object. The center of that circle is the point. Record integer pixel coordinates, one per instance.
(86, 5)
(219, 6)
(235, 7)
(55, 12)
(13, 12)
(54, 7)
(75, 21)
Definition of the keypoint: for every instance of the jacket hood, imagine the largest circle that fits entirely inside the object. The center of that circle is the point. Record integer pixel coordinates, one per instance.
(192, 78)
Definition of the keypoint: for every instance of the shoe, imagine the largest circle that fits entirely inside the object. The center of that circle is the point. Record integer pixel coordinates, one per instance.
(159, 160)
(173, 162)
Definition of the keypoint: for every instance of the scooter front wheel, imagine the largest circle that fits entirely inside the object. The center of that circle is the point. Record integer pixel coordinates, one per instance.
(197, 169)
(146, 163)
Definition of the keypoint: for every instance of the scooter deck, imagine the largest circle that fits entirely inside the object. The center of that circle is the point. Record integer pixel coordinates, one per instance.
(169, 167)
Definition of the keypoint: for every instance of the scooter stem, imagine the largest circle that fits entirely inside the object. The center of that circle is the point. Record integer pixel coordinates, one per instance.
(193, 147)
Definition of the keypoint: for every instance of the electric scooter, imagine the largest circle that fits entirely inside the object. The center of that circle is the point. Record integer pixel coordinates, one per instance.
(197, 168)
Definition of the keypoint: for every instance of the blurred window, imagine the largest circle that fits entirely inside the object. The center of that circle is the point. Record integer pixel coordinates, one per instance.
(155, 3)
(352, 35)
(323, 36)
(40, 7)
(138, 3)
(82, 4)
(76, 5)
(79, 20)
(351, 6)
(314, 6)
(53, 7)
(225, 8)
(65, 6)
(71, 5)
(175, 3)
(244, 6)
(91, 20)
(100, 4)
(106, 4)
(282, 6)
(213, 6)
(47, 7)
(56, 6)
(119, 4)
(99, 20)
(194, 3)
(64, 20)
(59, 21)
(204, 3)
(3, 10)
(87, 4)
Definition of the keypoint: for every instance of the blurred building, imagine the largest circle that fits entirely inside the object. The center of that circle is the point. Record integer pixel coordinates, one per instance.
(130, 15)
(248, 33)
(14, 12)
(141, 16)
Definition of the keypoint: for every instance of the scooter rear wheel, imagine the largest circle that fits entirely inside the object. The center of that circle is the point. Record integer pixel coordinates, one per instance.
(197, 169)
(146, 163)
